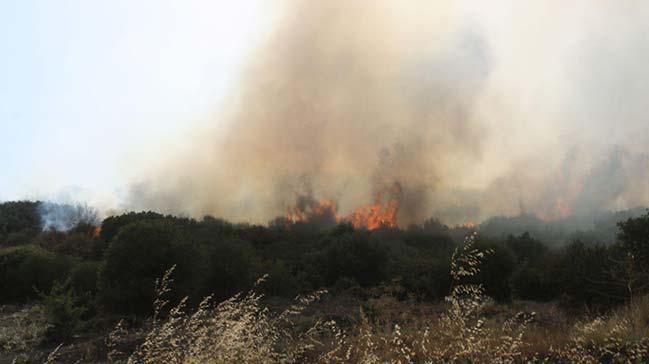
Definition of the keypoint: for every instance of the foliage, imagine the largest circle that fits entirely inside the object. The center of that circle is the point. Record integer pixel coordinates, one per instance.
(231, 267)
(19, 222)
(141, 252)
(112, 225)
(353, 255)
(83, 276)
(63, 311)
(241, 330)
(237, 330)
(22, 329)
(28, 268)
(634, 237)
(496, 270)
(219, 258)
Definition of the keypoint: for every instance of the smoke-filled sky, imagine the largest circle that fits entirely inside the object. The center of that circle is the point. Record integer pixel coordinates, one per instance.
(93, 91)
(474, 108)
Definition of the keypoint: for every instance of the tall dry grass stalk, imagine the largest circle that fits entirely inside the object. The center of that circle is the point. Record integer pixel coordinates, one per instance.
(459, 335)
(22, 329)
(242, 330)
(238, 330)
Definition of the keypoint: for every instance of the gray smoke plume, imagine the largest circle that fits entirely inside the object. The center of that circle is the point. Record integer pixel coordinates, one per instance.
(475, 110)
(63, 217)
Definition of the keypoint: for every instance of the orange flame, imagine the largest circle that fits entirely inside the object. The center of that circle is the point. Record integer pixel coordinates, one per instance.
(96, 231)
(309, 209)
(381, 213)
(561, 206)
(378, 214)
(469, 224)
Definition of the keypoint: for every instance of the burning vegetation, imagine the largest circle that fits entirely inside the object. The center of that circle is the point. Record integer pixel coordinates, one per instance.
(381, 213)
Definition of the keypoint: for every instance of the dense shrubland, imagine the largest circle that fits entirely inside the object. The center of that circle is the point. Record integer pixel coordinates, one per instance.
(83, 282)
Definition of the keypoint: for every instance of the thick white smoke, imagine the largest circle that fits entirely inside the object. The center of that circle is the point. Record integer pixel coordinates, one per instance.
(476, 109)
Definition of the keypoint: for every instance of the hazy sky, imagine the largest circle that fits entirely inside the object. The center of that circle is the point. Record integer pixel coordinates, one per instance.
(494, 105)
(84, 82)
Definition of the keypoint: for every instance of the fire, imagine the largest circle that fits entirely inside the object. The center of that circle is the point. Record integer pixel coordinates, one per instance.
(560, 206)
(307, 208)
(381, 213)
(96, 231)
(469, 224)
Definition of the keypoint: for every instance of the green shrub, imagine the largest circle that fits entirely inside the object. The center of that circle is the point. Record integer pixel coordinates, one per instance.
(496, 271)
(280, 281)
(584, 277)
(18, 217)
(139, 254)
(232, 268)
(112, 225)
(28, 268)
(352, 255)
(634, 238)
(527, 283)
(76, 244)
(83, 277)
(18, 238)
(427, 278)
(63, 311)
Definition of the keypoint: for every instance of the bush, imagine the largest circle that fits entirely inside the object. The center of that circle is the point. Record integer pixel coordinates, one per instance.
(584, 279)
(112, 225)
(527, 283)
(280, 281)
(83, 277)
(525, 248)
(18, 238)
(231, 267)
(427, 278)
(634, 237)
(139, 254)
(352, 255)
(496, 271)
(63, 312)
(28, 268)
(19, 217)
(76, 244)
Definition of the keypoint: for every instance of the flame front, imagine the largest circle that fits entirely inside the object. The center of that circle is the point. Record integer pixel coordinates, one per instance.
(470, 224)
(561, 205)
(381, 213)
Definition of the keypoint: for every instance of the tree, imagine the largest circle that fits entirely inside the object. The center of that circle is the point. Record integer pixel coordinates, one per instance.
(526, 248)
(496, 270)
(19, 222)
(230, 267)
(634, 237)
(63, 311)
(141, 253)
(28, 268)
(631, 268)
(352, 255)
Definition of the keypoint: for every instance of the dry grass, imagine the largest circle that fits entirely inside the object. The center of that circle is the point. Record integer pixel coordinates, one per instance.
(21, 329)
(458, 335)
(238, 330)
(469, 329)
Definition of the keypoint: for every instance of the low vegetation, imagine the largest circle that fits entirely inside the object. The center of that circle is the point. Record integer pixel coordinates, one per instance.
(415, 295)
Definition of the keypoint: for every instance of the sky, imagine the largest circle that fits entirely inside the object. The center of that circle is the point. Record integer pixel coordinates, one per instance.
(90, 90)
(232, 108)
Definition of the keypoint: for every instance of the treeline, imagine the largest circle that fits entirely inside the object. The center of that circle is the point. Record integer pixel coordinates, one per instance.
(114, 270)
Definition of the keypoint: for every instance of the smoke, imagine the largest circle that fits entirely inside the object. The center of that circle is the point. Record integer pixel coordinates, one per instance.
(475, 110)
(64, 217)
